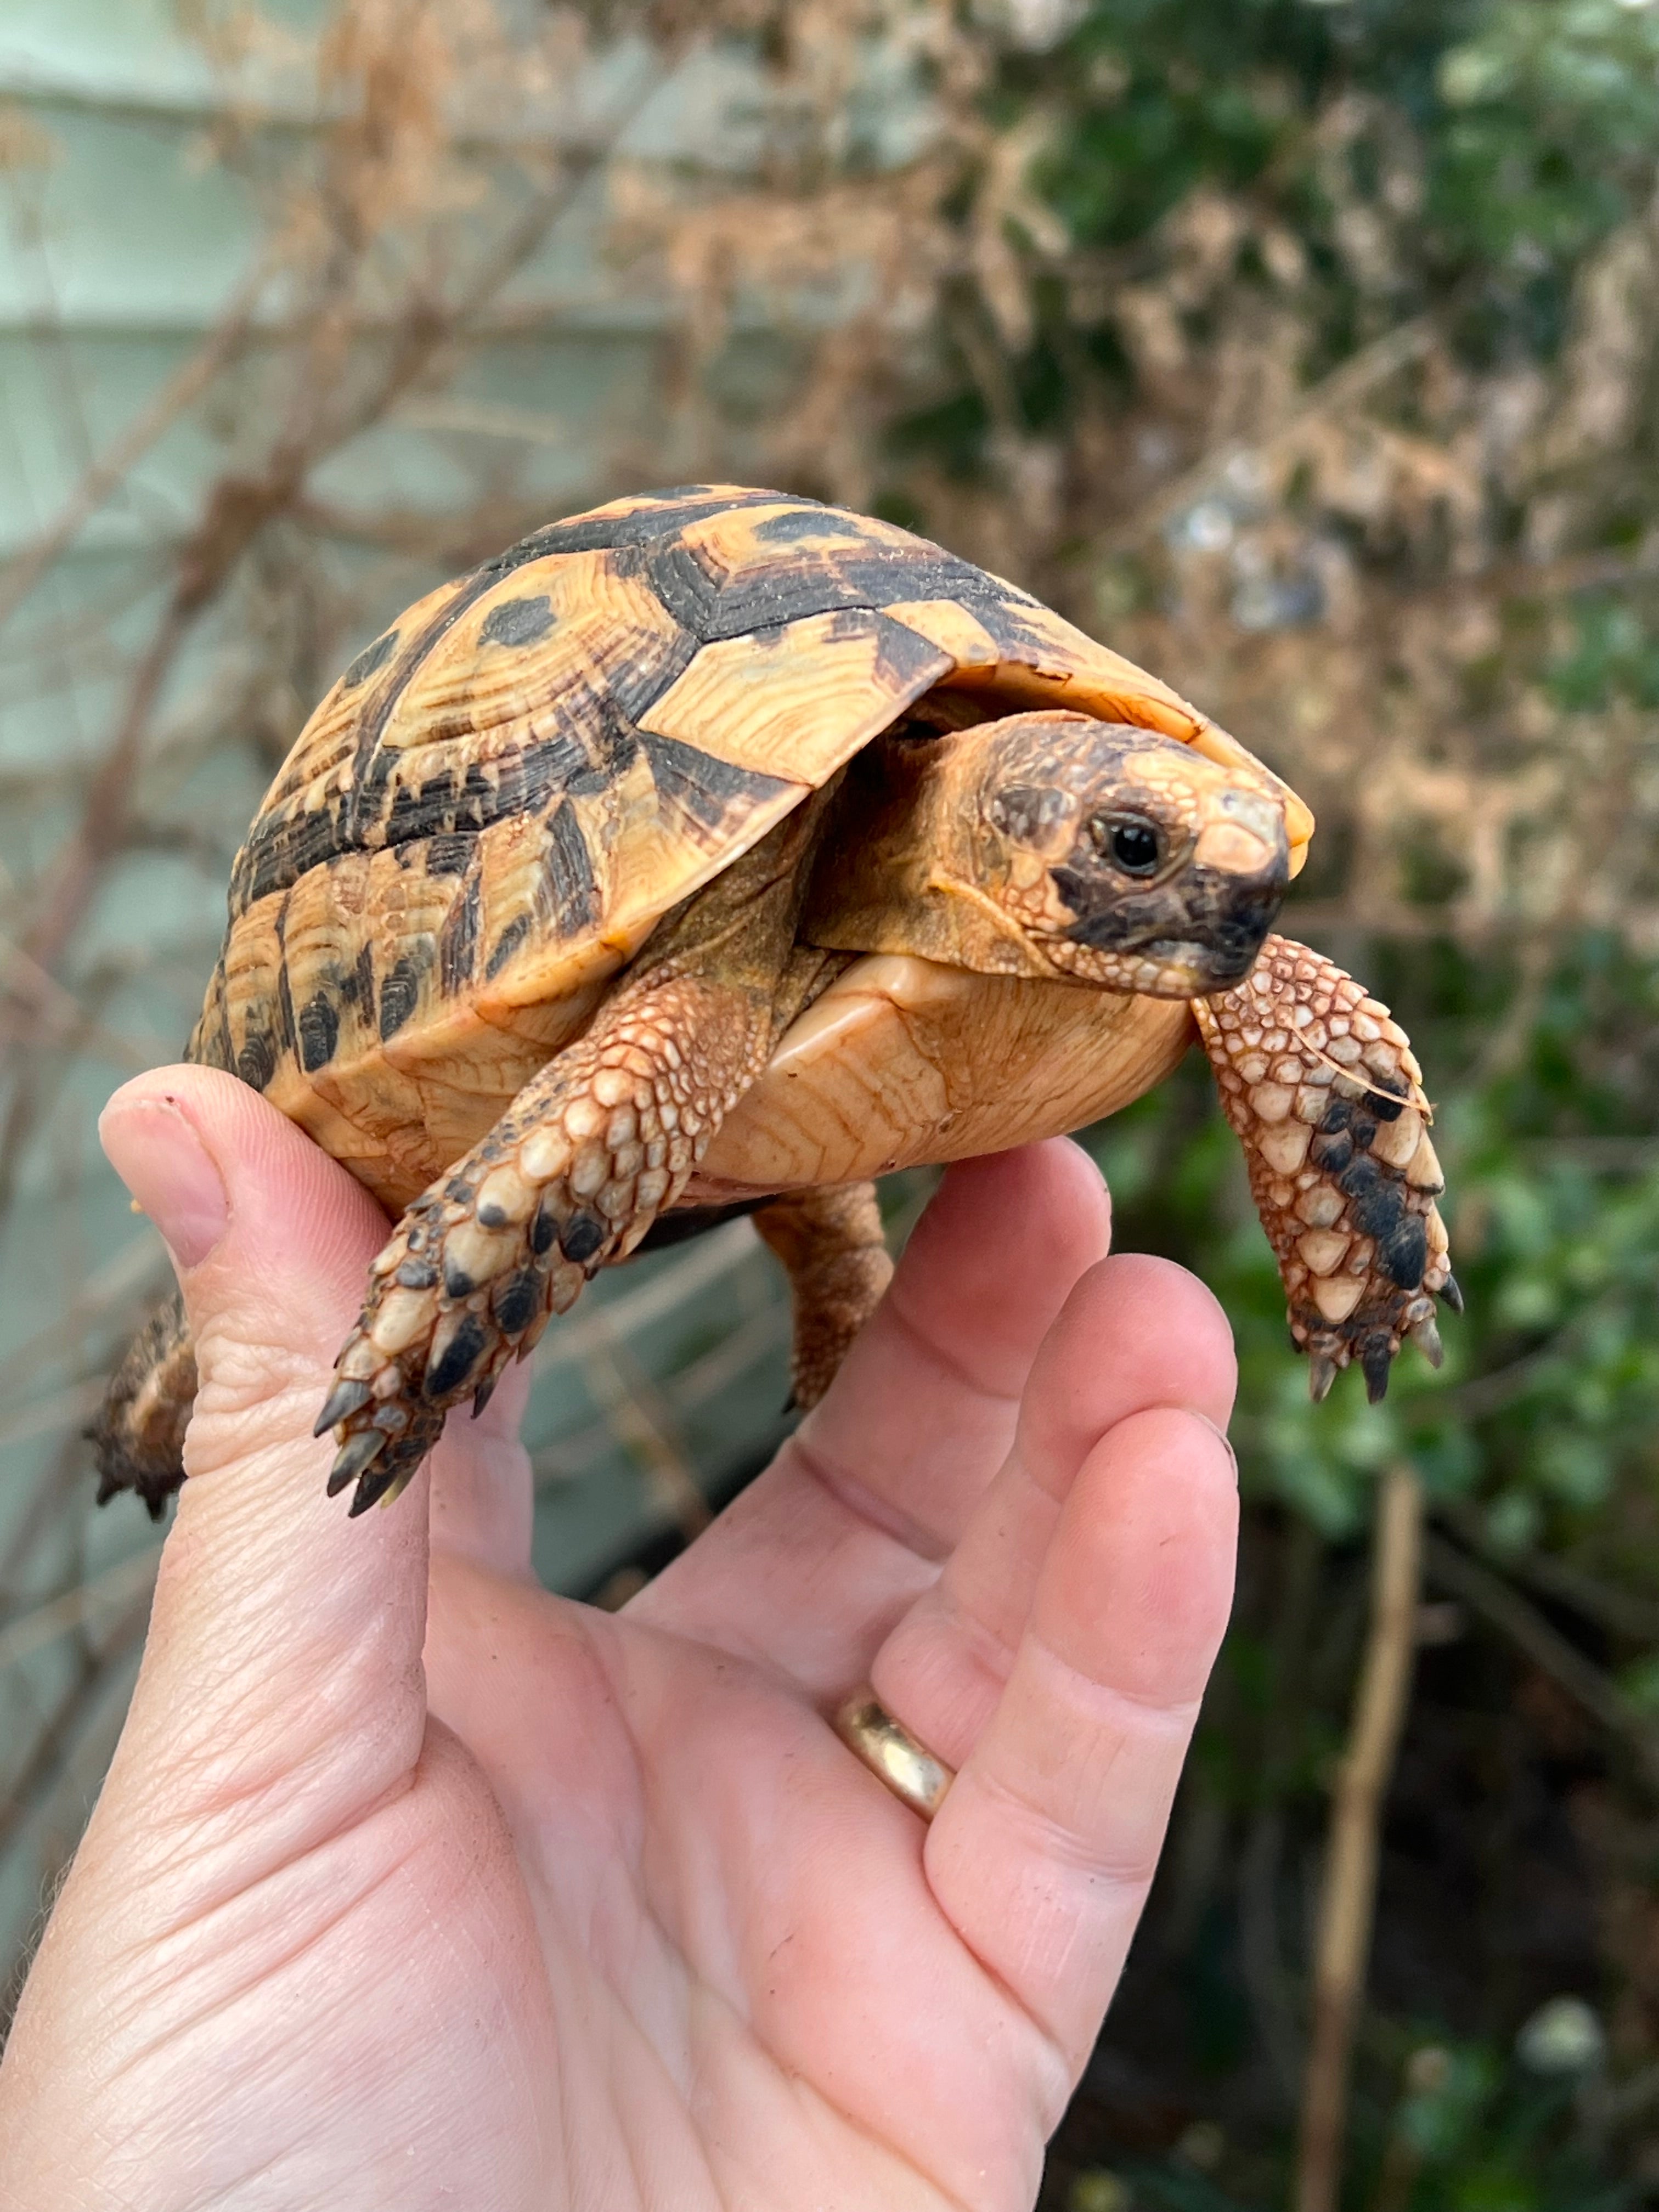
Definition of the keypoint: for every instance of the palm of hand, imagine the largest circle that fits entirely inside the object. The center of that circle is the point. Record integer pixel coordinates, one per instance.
(597, 1911)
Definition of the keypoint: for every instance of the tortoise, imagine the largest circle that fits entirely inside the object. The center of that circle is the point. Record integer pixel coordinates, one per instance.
(717, 851)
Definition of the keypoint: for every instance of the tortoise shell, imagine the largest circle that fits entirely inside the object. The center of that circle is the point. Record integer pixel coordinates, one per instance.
(499, 800)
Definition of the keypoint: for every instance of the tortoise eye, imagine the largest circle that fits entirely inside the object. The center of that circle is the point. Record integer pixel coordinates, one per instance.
(1129, 843)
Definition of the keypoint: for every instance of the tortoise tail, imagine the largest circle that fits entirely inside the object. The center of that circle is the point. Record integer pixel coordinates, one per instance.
(138, 1438)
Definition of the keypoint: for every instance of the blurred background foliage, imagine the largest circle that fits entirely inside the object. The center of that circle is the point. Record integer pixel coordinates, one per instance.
(1304, 348)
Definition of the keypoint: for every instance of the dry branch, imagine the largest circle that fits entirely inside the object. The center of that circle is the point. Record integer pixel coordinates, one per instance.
(1348, 1896)
(1500, 1604)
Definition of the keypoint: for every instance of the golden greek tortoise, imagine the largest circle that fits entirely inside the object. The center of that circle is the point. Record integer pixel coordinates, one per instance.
(718, 850)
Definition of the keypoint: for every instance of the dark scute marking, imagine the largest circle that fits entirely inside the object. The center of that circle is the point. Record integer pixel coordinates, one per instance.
(287, 1027)
(1406, 1253)
(371, 658)
(319, 1030)
(416, 1275)
(1361, 1177)
(366, 793)
(1388, 1101)
(1380, 1211)
(400, 994)
(544, 1228)
(458, 941)
(838, 579)
(219, 1052)
(357, 984)
(506, 944)
(458, 1191)
(457, 1282)
(448, 856)
(639, 669)
(523, 780)
(702, 789)
(582, 1236)
(1332, 1152)
(662, 514)
(807, 524)
(255, 1063)
(519, 1301)
(907, 663)
(603, 734)
(1376, 1359)
(280, 849)
(518, 622)
(571, 885)
(466, 1348)
(688, 586)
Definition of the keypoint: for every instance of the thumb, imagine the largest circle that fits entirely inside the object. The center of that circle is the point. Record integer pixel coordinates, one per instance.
(282, 1664)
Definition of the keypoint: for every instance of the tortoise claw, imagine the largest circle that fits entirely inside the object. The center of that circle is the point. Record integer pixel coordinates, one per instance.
(1321, 1373)
(344, 1400)
(484, 1393)
(376, 1485)
(1375, 1360)
(1451, 1294)
(354, 1455)
(1426, 1337)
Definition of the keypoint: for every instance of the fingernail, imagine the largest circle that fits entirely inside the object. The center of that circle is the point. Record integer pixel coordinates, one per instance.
(156, 1152)
(1220, 1435)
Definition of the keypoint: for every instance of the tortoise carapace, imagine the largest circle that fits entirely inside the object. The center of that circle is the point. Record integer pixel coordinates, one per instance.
(717, 849)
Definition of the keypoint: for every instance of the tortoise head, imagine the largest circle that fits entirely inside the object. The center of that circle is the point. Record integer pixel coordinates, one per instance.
(1125, 858)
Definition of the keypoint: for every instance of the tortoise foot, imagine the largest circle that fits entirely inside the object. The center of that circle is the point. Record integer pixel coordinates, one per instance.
(569, 1179)
(1322, 1086)
(832, 1247)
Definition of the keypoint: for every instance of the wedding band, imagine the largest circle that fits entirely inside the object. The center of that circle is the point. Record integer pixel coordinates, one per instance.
(892, 1753)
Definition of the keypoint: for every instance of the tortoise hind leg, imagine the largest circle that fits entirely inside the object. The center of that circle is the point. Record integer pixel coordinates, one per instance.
(138, 1438)
(831, 1245)
(571, 1177)
(1323, 1091)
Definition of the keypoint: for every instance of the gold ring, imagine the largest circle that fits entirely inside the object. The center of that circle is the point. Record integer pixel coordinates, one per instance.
(892, 1753)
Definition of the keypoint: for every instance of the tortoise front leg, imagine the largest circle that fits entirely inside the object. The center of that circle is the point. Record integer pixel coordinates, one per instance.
(1322, 1089)
(573, 1174)
(831, 1245)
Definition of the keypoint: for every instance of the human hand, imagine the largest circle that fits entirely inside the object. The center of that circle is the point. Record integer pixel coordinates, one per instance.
(596, 1910)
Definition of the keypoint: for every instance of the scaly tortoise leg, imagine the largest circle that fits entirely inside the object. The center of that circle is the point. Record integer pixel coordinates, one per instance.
(571, 1177)
(1322, 1089)
(831, 1245)
(138, 1438)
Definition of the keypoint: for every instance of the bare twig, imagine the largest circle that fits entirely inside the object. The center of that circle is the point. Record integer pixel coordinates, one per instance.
(116, 1589)
(1348, 1896)
(1622, 1612)
(1498, 1602)
(179, 392)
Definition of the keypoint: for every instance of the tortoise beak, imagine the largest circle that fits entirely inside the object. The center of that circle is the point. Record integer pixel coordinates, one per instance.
(1234, 907)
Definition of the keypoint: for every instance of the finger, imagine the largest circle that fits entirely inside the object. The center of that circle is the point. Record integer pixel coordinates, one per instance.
(1138, 1333)
(925, 1403)
(483, 1501)
(812, 1565)
(1044, 1848)
(285, 1639)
